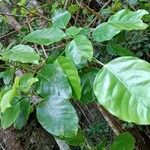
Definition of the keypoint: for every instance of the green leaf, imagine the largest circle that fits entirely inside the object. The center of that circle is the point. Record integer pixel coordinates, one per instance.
(45, 36)
(26, 81)
(87, 80)
(10, 115)
(58, 116)
(122, 87)
(60, 18)
(128, 20)
(9, 96)
(123, 20)
(22, 53)
(73, 31)
(53, 81)
(8, 75)
(124, 141)
(104, 32)
(116, 49)
(72, 74)
(77, 140)
(79, 51)
(23, 114)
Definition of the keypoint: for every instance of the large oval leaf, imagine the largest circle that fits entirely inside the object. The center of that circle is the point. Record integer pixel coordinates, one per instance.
(53, 81)
(122, 87)
(72, 74)
(60, 18)
(22, 53)
(58, 117)
(45, 36)
(79, 50)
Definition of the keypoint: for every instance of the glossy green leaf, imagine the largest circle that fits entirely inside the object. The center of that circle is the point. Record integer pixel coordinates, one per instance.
(22, 53)
(58, 116)
(60, 18)
(5, 101)
(23, 114)
(8, 75)
(128, 20)
(125, 141)
(104, 32)
(79, 51)
(26, 81)
(87, 80)
(122, 87)
(45, 36)
(122, 20)
(116, 49)
(53, 81)
(73, 31)
(10, 115)
(72, 74)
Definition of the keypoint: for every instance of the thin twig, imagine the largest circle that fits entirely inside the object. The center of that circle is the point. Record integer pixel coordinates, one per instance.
(44, 51)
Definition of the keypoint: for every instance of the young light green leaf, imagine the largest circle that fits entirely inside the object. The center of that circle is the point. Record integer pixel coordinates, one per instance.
(23, 114)
(125, 141)
(9, 116)
(22, 53)
(60, 18)
(123, 20)
(72, 74)
(53, 81)
(122, 87)
(45, 36)
(73, 31)
(116, 49)
(5, 102)
(58, 116)
(26, 81)
(79, 51)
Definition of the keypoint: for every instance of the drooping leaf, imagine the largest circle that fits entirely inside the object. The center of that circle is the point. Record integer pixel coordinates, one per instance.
(9, 116)
(122, 87)
(53, 81)
(23, 114)
(72, 74)
(122, 20)
(87, 80)
(60, 18)
(5, 101)
(26, 81)
(58, 116)
(124, 141)
(8, 75)
(22, 53)
(79, 51)
(116, 49)
(45, 36)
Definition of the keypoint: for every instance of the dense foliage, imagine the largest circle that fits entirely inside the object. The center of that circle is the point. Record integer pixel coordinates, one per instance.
(34, 67)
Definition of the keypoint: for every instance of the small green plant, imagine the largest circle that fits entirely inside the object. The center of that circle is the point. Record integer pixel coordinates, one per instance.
(122, 86)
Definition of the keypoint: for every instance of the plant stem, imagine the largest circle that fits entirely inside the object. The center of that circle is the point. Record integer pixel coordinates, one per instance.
(97, 61)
